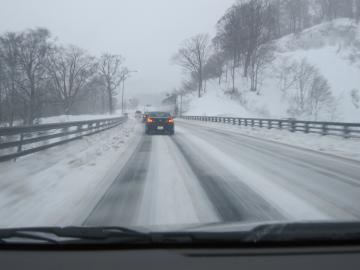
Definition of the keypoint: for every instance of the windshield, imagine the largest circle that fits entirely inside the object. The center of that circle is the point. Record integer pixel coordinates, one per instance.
(181, 115)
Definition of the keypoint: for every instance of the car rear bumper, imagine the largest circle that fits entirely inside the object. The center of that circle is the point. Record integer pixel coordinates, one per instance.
(158, 128)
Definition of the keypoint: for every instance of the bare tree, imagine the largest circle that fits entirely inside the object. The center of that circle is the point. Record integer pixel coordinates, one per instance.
(320, 97)
(284, 74)
(98, 93)
(9, 55)
(230, 37)
(214, 67)
(33, 49)
(193, 56)
(332, 9)
(111, 70)
(297, 14)
(310, 93)
(70, 69)
(260, 59)
(242, 31)
(2, 88)
(38, 78)
(357, 10)
(125, 74)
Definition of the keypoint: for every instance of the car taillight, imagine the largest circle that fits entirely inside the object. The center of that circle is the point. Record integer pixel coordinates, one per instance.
(171, 120)
(150, 120)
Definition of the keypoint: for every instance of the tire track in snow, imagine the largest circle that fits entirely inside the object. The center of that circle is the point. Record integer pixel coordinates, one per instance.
(325, 182)
(172, 194)
(232, 200)
(120, 204)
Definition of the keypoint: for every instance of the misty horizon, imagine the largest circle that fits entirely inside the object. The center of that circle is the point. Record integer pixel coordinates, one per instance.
(145, 33)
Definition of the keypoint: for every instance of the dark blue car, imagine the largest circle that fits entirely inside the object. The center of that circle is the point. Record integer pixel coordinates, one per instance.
(159, 122)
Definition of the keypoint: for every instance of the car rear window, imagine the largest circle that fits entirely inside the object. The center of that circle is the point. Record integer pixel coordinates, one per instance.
(159, 114)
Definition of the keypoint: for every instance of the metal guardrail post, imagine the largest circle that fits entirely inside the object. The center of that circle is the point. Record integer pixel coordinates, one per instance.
(19, 148)
(78, 128)
(292, 126)
(45, 136)
(65, 130)
(346, 132)
(324, 129)
(306, 127)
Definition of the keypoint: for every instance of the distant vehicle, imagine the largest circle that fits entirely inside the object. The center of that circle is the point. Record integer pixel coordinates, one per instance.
(159, 122)
(138, 114)
(145, 115)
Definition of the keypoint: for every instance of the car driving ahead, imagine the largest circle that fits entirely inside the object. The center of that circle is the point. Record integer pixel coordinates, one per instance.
(159, 122)
(138, 114)
(145, 115)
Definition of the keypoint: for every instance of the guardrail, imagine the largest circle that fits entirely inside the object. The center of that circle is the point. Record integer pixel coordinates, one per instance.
(346, 130)
(24, 140)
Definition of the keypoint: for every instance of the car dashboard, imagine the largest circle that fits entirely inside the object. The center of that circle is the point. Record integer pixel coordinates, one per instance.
(344, 257)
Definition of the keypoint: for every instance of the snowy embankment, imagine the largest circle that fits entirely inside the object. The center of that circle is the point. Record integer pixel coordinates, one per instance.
(331, 48)
(66, 118)
(59, 186)
(74, 118)
(215, 103)
(346, 148)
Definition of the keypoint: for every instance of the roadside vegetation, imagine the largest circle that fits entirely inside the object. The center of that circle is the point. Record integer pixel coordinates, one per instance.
(244, 48)
(39, 78)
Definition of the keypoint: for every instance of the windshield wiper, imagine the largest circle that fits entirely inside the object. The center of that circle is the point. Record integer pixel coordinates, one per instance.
(306, 231)
(11, 236)
(71, 235)
(278, 233)
(286, 233)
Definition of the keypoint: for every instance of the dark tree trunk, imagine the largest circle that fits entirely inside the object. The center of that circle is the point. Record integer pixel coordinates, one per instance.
(246, 64)
(199, 88)
(110, 101)
(233, 78)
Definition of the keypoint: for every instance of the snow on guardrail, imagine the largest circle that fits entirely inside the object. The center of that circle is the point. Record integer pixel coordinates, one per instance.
(24, 140)
(346, 130)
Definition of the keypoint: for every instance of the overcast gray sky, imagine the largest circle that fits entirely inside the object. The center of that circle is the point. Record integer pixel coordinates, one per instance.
(146, 32)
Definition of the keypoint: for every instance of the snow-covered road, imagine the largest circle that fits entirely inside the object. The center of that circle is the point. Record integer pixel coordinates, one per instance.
(205, 174)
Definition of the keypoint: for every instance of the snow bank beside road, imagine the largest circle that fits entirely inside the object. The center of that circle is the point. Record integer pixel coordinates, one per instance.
(59, 186)
(72, 118)
(215, 103)
(66, 118)
(347, 148)
(81, 117)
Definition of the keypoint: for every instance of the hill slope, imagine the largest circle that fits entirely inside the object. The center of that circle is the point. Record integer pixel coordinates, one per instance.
(333, 49)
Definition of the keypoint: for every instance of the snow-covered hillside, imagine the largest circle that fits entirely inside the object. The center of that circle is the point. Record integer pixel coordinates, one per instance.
(214, 103)
(332, 48)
